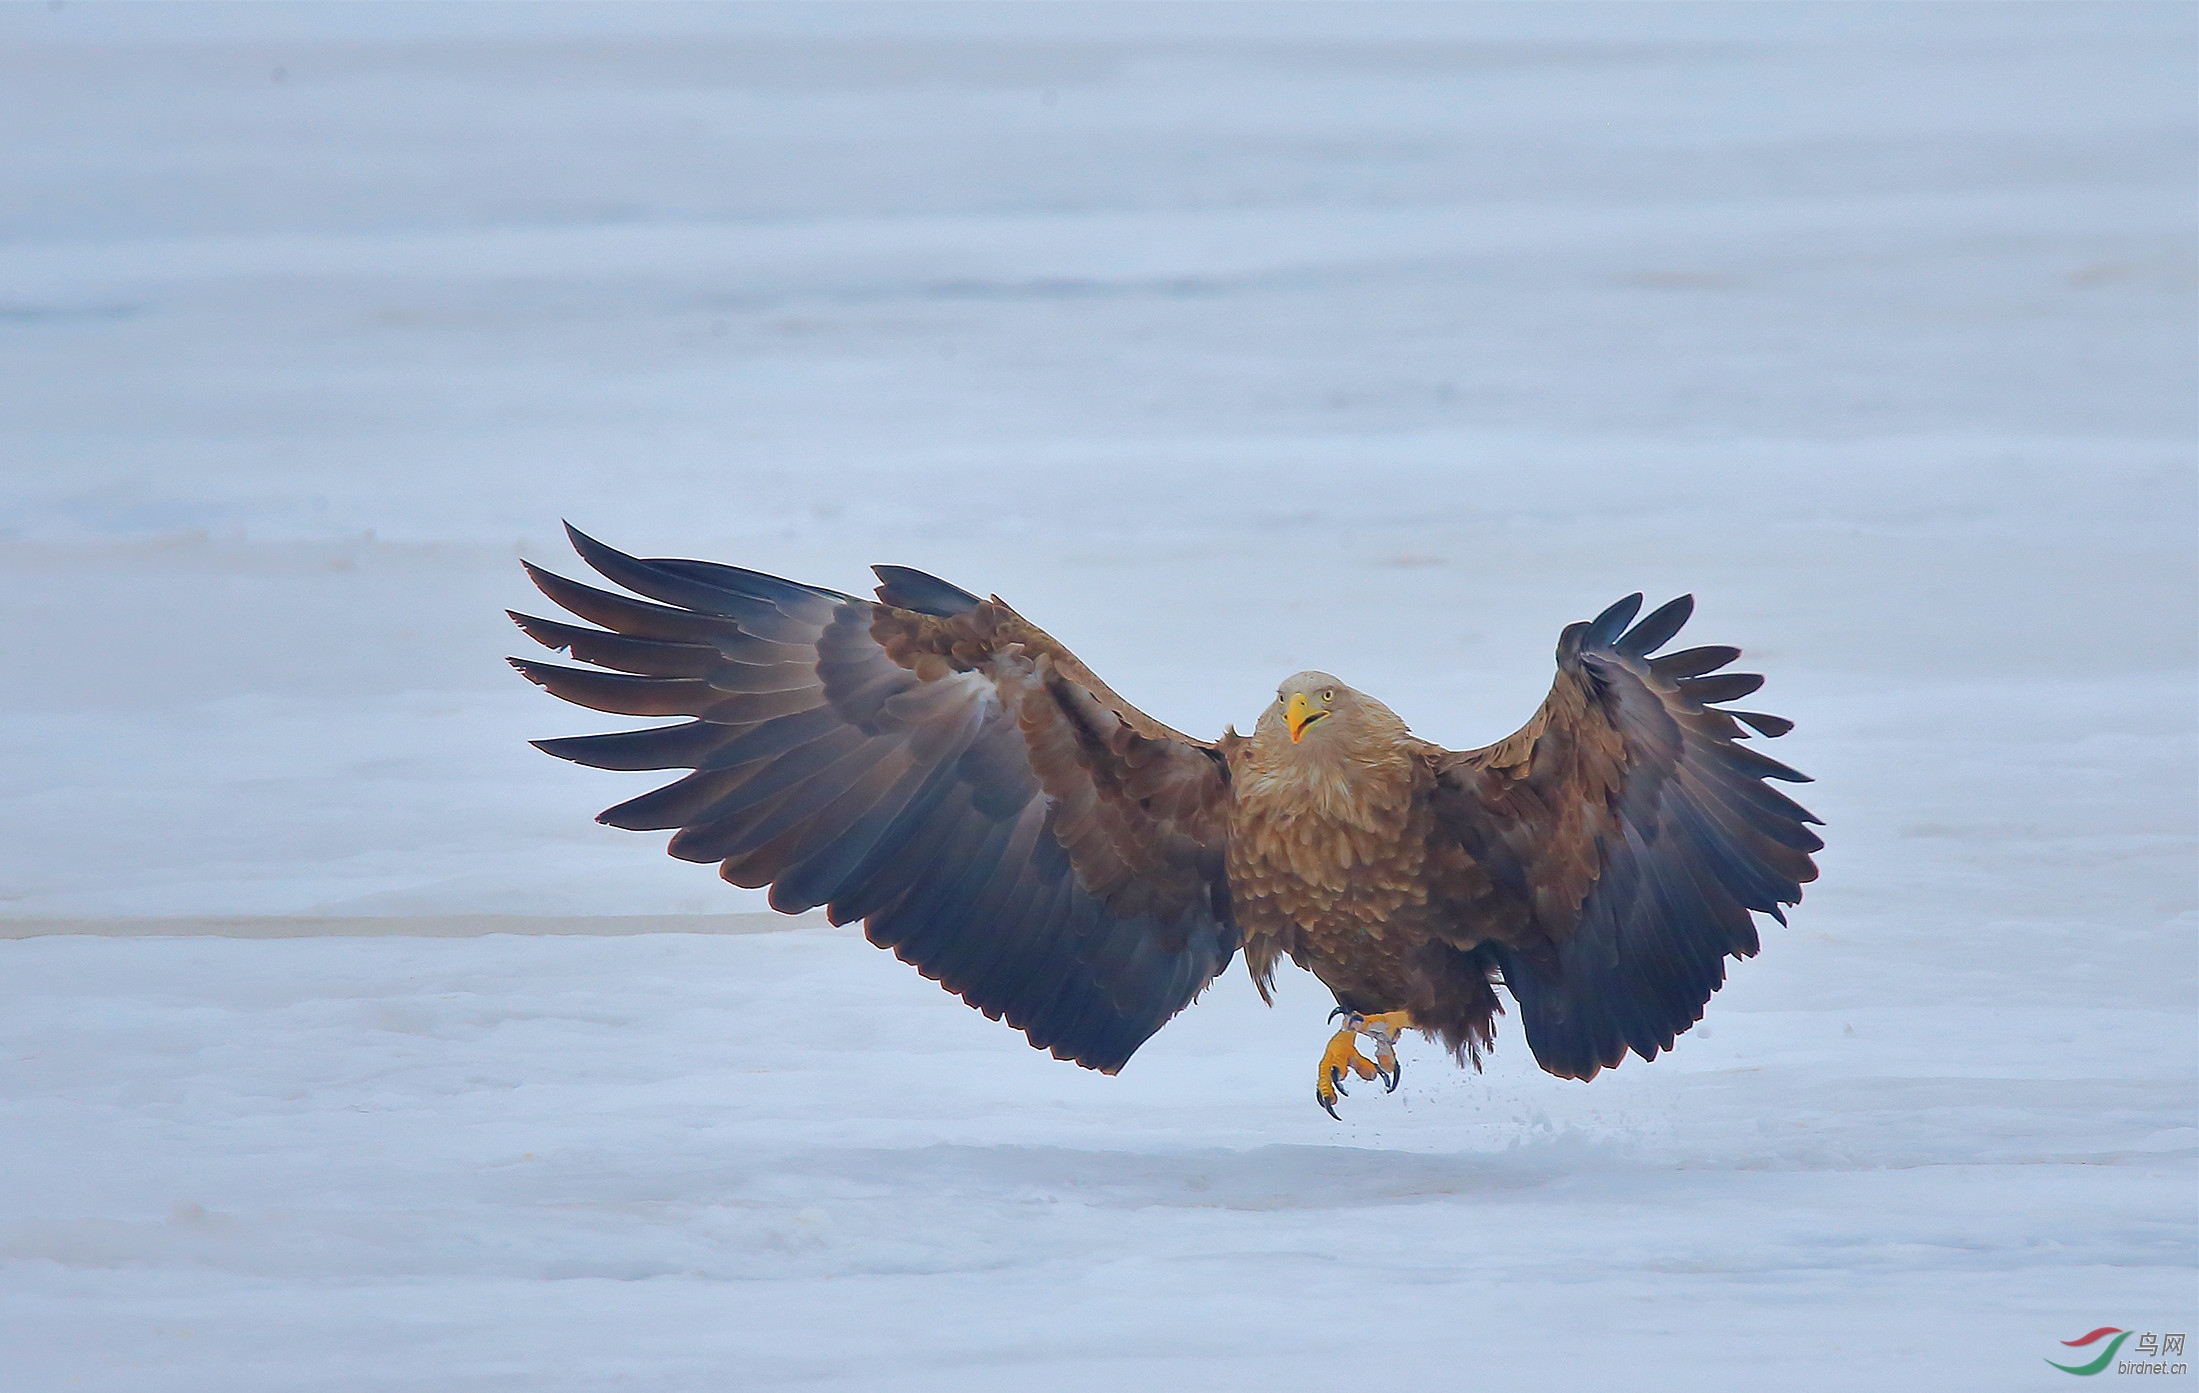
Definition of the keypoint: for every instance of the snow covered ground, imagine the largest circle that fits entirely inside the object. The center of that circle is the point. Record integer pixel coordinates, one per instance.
(1223, 342)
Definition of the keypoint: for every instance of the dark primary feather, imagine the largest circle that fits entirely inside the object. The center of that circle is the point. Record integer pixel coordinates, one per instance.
(1772, 726)
(1638, 835)
(931, 765)
(1657, 630)
(637, 655)
(913, 590)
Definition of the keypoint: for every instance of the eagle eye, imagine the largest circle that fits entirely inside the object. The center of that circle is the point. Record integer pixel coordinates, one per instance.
(1329, 695)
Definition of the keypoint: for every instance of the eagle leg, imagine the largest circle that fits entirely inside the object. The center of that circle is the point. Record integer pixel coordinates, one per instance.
(1341, 1057)
(1385, 1028)
(1343, 1052)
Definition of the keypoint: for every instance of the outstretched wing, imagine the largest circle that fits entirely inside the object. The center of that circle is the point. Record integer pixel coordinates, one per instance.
(931, 764)
(1627, 836)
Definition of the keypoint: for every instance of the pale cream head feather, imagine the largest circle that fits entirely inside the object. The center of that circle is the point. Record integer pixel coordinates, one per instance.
(1322, 745)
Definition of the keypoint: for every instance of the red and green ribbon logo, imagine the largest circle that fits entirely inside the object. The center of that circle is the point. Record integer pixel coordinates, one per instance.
(2107, 1356)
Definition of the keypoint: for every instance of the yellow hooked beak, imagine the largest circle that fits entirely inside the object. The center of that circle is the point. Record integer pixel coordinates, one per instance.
(1300, 714)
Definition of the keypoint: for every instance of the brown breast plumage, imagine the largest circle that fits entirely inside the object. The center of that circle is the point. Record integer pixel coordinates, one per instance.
(1332, 866)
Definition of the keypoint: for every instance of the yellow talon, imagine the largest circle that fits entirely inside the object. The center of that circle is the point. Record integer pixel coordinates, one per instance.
(1387, 1026)
(1385, 1029)
(1340, 1057)
(1343, 1053)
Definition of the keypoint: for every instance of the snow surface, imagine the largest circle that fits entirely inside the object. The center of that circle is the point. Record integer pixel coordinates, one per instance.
(1222, 342)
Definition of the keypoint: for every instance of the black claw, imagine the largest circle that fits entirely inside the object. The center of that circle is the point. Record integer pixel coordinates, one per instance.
(1326, 1104)
(1389, 1080)
(1340, 1011)
(1336, 1081)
